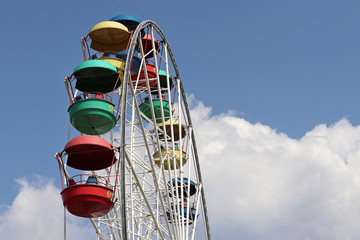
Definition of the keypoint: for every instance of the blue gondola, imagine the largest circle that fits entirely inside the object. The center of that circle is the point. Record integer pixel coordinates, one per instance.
(130, 21)
(185, 187)
(187, 218)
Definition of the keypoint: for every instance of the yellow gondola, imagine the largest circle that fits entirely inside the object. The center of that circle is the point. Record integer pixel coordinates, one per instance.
(168, 158)
(177, 129)
(109, 36)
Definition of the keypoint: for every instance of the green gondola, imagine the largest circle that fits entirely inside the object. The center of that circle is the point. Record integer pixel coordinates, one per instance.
(92, 116)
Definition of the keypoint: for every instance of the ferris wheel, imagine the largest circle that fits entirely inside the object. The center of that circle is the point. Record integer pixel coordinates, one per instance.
(132, 167)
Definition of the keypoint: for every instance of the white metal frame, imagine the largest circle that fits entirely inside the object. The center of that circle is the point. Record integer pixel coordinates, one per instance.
(146, 206)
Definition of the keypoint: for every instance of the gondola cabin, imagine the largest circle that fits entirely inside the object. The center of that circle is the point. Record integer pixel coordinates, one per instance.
(145, 108)
(109, 36)
(93, 116)
(135, 62)
(179, 131)
(129, 21)
(164, 86)
(182, 188)
(139, 79)
(97, 76)
(89, 199)
(148, 46)
(118, 63)
(170, 160)
(89, 153)
(187, 214)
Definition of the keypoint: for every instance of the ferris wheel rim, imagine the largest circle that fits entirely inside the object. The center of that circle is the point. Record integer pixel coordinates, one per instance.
(150, 200)
(137, 33)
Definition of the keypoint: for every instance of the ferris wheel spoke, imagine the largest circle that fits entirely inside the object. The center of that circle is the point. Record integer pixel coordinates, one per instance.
(146, 182)
(144, 196)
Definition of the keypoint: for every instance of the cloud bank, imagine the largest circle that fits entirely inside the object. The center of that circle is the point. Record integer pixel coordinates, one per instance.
(37, 213)
(260, 184)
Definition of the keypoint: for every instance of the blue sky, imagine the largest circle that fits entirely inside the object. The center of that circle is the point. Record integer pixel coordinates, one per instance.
(286, 65)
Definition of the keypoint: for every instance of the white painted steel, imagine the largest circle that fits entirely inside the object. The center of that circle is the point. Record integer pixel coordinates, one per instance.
(146, 205)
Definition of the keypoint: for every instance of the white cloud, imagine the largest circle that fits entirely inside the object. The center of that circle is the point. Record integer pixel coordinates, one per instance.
(37, 213)
(261, 184)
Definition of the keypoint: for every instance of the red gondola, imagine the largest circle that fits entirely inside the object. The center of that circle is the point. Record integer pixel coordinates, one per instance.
(88, 199)
(151, 73)
(147, 45)
(89, 153)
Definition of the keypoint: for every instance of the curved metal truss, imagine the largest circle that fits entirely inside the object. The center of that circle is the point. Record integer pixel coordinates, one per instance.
(158, 158)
